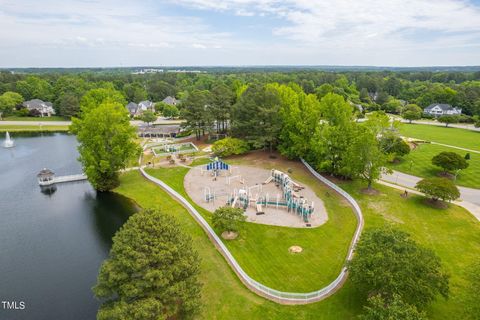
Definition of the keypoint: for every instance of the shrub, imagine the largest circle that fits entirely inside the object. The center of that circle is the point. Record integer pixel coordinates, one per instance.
(438, 188)
(229, 146)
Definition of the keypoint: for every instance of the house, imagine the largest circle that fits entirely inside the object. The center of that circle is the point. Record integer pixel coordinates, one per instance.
(171, 101)
(441, 109)
(40, 108)
(146, 105)
(132, 108)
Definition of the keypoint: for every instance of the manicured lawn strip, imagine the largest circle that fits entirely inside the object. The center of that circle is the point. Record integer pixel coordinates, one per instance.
(262, 250)
(38, 119)
(223, 295)
(452, 233)
(23, 128)
(422, 164)
(453, 136)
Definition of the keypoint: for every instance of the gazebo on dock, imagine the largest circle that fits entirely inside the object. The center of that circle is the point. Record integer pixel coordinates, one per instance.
(45, 176)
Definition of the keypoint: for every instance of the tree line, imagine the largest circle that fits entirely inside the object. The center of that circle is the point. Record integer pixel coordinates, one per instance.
(385, 90)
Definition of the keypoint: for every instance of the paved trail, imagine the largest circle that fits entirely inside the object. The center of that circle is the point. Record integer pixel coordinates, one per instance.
(470, 198)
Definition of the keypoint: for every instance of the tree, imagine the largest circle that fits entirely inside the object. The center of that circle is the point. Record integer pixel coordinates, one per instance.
(148, 116)
(387, 262)
(472, 307)
(135, 92)
(8, 102)
(95, 97)
(394, 146)
(364, 157)
(448, 119)
(300, 115)
(332, 138)
(379, 308)
(195, 109)
(392, 106)
(412, 112)
(449, 161)
(35, 88)
(438, 188)
(106, 144)
(476, 120)
(151, 273)
(68, 105)
(170, 111)
(255, 116)
(159, 90)
(229, 146)
(228, 219)
(222, 101)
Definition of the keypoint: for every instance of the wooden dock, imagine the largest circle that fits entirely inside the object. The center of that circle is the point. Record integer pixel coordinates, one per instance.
(62, 179)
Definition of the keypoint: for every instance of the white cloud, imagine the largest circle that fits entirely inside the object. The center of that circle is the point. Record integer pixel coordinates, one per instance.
(109, 32)
(312, 21)
(199, 46)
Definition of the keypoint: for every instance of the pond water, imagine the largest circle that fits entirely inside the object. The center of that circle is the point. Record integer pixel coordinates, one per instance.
(52, 241)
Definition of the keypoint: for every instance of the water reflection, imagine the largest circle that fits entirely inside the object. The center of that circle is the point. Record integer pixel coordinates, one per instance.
(52, 240)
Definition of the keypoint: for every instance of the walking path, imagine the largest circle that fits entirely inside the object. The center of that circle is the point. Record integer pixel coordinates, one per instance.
(470, 198)
(438, 124)
(455, 147)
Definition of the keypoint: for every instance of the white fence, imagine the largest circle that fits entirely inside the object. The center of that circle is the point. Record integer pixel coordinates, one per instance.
(255, 286)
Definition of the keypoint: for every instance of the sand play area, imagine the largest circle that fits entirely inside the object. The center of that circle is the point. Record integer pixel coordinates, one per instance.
(199, 182)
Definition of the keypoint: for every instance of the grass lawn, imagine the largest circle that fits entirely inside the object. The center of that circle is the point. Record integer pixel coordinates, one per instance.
(22, 128)
(223, 295)
(422, 164)
(452, 233)
(38, 119)
(262, 250)
(453, 136)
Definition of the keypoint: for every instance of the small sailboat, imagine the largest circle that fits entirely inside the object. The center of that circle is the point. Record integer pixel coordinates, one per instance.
(8, 143)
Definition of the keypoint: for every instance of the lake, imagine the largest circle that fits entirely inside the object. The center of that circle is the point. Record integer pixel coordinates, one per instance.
(52, 241)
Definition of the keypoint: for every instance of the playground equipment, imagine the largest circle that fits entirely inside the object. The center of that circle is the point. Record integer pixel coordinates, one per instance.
(215, 167)
(210, 195)
(233, 178)
(291, 201)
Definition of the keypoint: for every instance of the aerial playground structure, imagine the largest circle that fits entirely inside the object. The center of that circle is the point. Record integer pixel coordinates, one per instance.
(290, 199)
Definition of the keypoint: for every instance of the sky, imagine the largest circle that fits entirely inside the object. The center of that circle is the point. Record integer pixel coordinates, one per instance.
(121, 33)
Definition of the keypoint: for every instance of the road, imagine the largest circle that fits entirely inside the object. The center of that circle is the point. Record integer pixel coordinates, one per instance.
(469, 196)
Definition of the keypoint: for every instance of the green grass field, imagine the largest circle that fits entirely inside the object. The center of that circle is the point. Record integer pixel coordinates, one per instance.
(263, 250)
(453, 136)
(419, 163)
(22, 128)
(452, 233)
(38, 119)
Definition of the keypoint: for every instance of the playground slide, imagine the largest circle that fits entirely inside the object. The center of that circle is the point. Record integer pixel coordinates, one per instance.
(234, 202)
(268, 180)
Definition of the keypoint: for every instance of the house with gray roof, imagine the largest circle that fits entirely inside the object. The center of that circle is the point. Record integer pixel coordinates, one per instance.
(146, 105)
(40, 108)
(132, 108)
(171, 101)
(441, 109)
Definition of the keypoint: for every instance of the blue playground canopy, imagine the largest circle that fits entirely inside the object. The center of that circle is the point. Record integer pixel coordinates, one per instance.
(217, 165)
